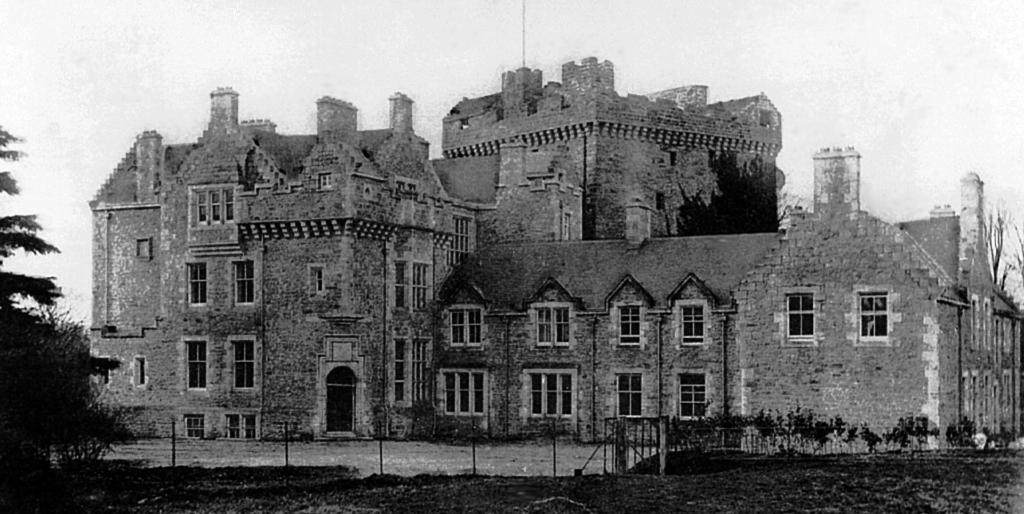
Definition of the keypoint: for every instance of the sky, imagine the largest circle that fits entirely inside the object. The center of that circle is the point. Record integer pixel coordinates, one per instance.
(925, 90)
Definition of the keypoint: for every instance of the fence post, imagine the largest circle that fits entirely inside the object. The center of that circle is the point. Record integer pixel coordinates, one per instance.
(662, 444)
(554, 450)
(174, 443)
(621, 452)
(286, 444)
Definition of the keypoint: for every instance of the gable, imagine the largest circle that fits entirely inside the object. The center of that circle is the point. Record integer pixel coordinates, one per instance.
(692, 288)
(628, 290)
(552, 291)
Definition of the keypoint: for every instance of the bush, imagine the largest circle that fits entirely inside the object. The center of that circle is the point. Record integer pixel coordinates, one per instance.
(961, 434)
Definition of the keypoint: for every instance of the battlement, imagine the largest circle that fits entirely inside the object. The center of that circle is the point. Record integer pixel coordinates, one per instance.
(586, 98)
(589, 75)
(260, 124)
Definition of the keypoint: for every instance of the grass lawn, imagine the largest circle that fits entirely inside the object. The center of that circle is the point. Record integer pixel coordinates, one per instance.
(940, 482)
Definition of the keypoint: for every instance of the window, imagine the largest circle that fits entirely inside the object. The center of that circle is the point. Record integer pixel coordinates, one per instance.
(400, 284)
(144, 248)
(464, 124)
(659, 200)
(691, 318)
(323, 181)
(245, 282)
(629, 325)
(975, 320)
(553, 326)
(466, 327)
(399, 370)
(464, 392)
(196, 364)
(419, 286)
(245, 364)
(800, 309)
(316, 280)
(460, 240)
(215, 206)
(672, 158)
(566, 226)
(692, 395)
(241, 426)
(874, 315)
(419, 371)
(550, 394)
(630, 387)
(197, 283)
(195, 426)
(140, 371)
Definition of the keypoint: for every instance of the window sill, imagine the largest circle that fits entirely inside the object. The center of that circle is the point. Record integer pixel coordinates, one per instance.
(802, 342)
(873, 342)
(702, 343)
(629, 345)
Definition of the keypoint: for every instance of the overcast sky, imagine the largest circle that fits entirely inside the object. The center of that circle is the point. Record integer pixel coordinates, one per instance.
(925, 90)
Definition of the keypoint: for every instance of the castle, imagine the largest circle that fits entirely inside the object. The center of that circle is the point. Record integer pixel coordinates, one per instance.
(576, 255)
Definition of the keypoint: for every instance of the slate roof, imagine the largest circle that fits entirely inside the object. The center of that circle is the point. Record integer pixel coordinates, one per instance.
(288, 151)
(509, 274)
(472, 106)
(473, 179)
(940, 238)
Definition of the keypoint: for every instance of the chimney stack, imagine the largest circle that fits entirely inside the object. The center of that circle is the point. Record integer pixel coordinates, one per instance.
(972, 216)
(335, 120)
(223, 110)
(638, 222)
(148, 161)
(837, 182)
(401, 113)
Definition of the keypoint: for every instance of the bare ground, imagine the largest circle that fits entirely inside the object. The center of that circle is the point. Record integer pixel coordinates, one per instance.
(934, 482)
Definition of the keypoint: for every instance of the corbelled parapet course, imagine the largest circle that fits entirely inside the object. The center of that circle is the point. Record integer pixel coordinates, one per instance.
(586, 101)
(703, 168)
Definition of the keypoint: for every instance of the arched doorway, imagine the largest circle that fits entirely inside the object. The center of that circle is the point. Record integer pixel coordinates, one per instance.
(341, 400)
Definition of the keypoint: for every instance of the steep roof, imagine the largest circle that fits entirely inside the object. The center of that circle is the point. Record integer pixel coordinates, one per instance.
(288, 151)
(940, 238)
(471, 106)
(508, 274)
(473, 179)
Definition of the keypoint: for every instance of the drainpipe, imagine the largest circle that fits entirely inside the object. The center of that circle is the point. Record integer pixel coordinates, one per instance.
(959, 365)
(508, 372)
(384, 340)
(263, 331)
(593, 377)
(106, 269)
(725, 364)
(661, 397)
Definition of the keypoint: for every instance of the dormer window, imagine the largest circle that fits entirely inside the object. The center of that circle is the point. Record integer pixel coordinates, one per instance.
(552, 326)
(629, 325)
(214, 206)
(692, 322)
(466, 326)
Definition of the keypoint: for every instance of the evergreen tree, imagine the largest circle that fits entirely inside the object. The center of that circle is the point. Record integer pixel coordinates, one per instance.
(18, 232)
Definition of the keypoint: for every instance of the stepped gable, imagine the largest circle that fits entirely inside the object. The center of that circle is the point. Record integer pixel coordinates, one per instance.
(473, 179)
(509, 274)
(121, 185)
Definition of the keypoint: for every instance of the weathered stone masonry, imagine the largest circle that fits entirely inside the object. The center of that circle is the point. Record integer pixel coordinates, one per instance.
(620, 256)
